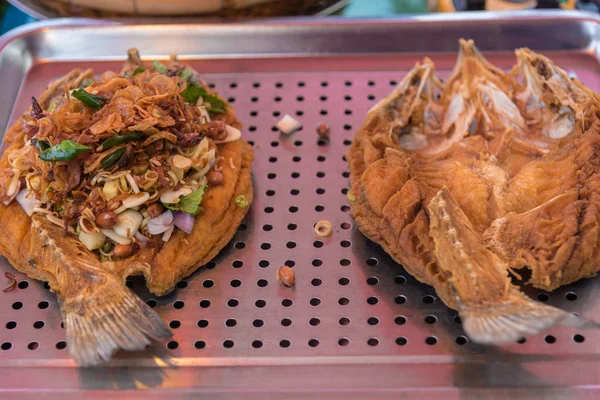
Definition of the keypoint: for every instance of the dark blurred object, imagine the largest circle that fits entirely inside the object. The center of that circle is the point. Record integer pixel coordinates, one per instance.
(172, 12)
(547, 4)
(505, 5)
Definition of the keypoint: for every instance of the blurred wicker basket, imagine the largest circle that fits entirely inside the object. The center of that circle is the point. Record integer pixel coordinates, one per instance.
(180, 8)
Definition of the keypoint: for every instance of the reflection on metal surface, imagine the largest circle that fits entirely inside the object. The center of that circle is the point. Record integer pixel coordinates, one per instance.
(355, 319)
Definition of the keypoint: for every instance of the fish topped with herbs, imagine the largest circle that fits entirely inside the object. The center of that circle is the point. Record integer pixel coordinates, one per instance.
(112, 176)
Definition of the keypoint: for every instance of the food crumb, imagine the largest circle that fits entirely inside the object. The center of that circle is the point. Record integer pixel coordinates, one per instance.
(323, 131)
(323, 228)
(288, 125)
(286, 276)
(13, 282)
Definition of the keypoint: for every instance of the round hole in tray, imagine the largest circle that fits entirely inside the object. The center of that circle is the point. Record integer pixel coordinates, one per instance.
(299, 113)
(178, 304)
(61, 345)
(286, 322)
(401, 341)
(292, 227)
(344, 321)
(293, 209)
(263, 263)
(23, 285)
(273, 160)
(372, 281)
(343, 342)
(257, 344)
(231, 99)
(276, 113)
(371, 83)
(182, 284)
(17, 305)
(290, 245)
(212, 264)
(323, 112)
(202, 323)
(345, 208)
(372, 300)
(345, 243)
(42, 305)
(262, 283)
(344, 262)
(296, 159)
(315, 301)
(316, 282)
(267, 227)
(457, 319)
(373, 321)
(205, 303)
(228, 344)
(294, 192)
(260, 303)
(543, 297)
(343, 301)
(274, 143)
(393, 83)
(233, 303)
(172, 345)
(240, 245)
(297, 143)
(11, 325)
(430, 319)
(256, 85)
(549, 339)
(265, 246)
(428, 299)
(431, 340)
(200, 344)
(237, 264)
(313, 342)
(373, 342)
(290, 263)
(301, 84)
(253, 113)
(270, 193)
(277, 99)
(299, 98)
(279, 85)
(344, 281)
(287, 302)
(38, 324)
(323, 98)
(320, 174)
(400, 299)
(370, 97)
(314, 321)
(33, 346)
(6, 346)
(324, 84)
(257, 323)
(235, 283)
(461, 340)
(230, 323)
(254, 99)
(571, 296)
(522, 341)
(318, 244)
(347, 142)
(319, 208)
(151, 303)
(579, 338)
(400, 320)
(271, 175)
(174, 324)
(285, 343)
(317, 263)
(208, 283)
(371, 262)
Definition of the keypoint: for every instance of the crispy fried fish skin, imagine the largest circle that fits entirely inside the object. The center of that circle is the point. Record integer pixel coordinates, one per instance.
(492, 175)
(100, 313)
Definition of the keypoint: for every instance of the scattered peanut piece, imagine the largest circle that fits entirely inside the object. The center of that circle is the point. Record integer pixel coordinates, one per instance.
(288, 125)
(286, 276)
(323, 131)
(323, 228)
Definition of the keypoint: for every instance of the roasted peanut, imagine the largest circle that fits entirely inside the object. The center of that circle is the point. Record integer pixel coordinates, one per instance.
(215, 178)
(106, 219)
(286, 276)
(155, 209)
(123, 250)
(323, 131)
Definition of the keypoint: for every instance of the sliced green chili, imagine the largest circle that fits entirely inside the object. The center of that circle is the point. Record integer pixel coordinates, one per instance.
(159, 67)
(120, 139)
(187, 74)
(112, 159)
(42, 145)
(64, 151)
(137, 71)
(90, 100)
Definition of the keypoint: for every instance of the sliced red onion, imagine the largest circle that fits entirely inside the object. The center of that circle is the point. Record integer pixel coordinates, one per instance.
(143, 240)
(160, 224)
(184, 221)
(27, 201)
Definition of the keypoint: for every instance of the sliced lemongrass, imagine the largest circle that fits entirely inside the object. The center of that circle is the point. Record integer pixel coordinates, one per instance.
(133, 201)
(132, 183)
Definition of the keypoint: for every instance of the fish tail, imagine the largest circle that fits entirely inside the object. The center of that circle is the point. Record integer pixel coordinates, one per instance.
(513, 320)
(100, 322)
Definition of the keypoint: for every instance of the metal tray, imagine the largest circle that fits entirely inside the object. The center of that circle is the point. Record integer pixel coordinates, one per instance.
(356, 324)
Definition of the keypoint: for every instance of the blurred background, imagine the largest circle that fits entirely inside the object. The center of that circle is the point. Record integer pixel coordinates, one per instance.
(19, 12)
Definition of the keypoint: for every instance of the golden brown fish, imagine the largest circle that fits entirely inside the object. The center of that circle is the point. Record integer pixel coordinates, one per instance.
(497, 172)
(138, 173)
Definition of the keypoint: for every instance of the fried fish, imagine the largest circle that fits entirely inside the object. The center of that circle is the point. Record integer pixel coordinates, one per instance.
(463, 182)
(141, 172)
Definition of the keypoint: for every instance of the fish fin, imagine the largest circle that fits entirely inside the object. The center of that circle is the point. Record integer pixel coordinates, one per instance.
(511, 321)
(100, 322)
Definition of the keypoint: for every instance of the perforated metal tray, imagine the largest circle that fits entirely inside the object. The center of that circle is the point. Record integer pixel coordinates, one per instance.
(356, 324)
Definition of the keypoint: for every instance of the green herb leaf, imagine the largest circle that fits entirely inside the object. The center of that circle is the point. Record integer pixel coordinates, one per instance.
(159, 67)
(187, 74)
(53, 105)
(64, 151)
(90, 100)
(86, 82)
(217, 106)
(42, 145)
(193, 92)
(241, 201)
(191, 203)
(117, 140)
(112, 159)
(138, 71)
